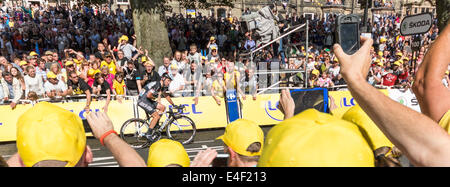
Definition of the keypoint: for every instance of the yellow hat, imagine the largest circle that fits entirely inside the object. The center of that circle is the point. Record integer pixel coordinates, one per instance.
(447, 72)
(33, 53)
(370, 131)
(213, 47)
(406, 58)
(49, 132)
(380, 64)
(399, 54)
(240, 134)
(123, 38)
(312, 138)
(315, 72)
(166, 152)
(380, 53)
(203, 57)
(212, 38)
(310, 56)
(382, 40)
(336, 59)
(22, 63)
(51, 75)
(68, 63)
(144, 59)
(398, 63)
(173, 66)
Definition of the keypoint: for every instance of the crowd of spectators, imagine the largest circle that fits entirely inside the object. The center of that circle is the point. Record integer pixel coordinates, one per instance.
(55, 52)
(208, 64)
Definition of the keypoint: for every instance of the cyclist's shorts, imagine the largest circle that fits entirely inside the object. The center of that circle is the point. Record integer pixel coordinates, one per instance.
(148, 105)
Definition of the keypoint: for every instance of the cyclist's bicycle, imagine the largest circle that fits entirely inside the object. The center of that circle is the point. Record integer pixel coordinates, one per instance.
(179, 128)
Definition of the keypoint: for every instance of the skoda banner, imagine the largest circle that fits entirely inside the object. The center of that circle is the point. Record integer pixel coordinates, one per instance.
(406, 98)
(416, 24)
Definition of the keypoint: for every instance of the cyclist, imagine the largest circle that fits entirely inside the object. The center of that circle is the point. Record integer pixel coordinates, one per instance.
(150, 100)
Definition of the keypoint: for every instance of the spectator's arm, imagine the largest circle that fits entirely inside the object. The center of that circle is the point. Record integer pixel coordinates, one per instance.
(108, 99)
(88, 100)
(433, 96)
(17, 92)
(126, 156)
(423, 141)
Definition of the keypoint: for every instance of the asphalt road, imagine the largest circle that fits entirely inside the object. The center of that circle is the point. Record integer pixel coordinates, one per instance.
(103, 157)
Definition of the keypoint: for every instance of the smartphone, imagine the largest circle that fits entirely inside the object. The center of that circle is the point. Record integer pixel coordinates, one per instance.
(221, 160)
(304, 99)
(347, 33)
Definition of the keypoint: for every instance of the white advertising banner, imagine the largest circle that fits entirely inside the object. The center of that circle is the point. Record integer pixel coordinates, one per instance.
(405, 97)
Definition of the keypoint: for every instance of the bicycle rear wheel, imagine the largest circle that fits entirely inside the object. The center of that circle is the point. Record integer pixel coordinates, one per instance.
(181, 129)
(133, 133)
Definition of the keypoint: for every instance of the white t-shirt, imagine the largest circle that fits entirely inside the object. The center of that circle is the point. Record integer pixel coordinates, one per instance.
(177, 81)
(60, 87)
(335, 71)
(34, 84)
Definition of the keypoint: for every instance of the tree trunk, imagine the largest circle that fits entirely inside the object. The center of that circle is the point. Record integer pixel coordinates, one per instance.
(151, 29)
(443, 13)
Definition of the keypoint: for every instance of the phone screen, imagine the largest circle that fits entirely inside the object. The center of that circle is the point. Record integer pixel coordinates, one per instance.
(221, 160)
(310, 98)
(349, 37)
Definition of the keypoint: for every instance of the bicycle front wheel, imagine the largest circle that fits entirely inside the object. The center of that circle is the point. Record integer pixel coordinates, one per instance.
(181, 129)
(133, 133)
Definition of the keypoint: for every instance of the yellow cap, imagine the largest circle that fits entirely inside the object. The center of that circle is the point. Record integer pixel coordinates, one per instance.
(369, 129)
(166, 152)
(144, 59)
(33, 53)
(173, 66)
(240, 134)
(49, 132)
(399, 54)
(212, 38)
(398, 63)
(315, 72)
(380, 53)
(203, 57)
(51, 75)
(310, 56)
(382, 40)
(68, 63)
(312, 138)
(336, 59)
(123, 38)
(447, 72)
(380, 64)
(22, 63)
(213, 47)
(406, 58)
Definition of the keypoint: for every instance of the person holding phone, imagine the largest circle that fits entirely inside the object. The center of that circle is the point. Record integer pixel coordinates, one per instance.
(419, 137)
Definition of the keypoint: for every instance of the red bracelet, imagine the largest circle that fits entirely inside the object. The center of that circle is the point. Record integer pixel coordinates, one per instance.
(105, 135)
